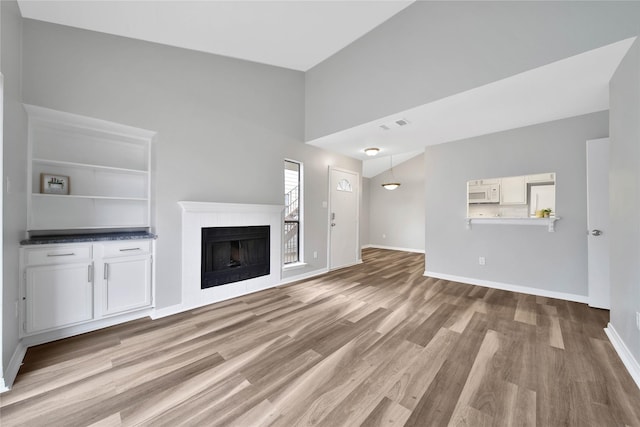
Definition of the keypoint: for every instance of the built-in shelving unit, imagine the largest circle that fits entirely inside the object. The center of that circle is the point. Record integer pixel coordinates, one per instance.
(108, 166)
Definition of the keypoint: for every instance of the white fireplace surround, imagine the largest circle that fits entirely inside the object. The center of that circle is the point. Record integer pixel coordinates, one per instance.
(198, 215)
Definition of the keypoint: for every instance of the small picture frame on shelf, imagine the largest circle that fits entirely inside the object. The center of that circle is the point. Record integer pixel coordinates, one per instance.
(54, 184)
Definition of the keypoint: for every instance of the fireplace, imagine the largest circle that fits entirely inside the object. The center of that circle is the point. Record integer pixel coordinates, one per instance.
(233, 254)
(199, 215)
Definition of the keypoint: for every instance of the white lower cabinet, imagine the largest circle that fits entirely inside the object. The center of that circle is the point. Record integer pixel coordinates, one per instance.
(74, 284)
(127, 283)
(58, 296)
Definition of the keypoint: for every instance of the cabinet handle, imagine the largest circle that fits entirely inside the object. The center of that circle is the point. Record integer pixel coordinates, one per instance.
(106, 271)
(129, 249)
(71, 254)
(90, 273)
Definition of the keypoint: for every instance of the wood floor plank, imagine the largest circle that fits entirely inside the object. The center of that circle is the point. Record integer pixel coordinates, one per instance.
(439, 401)
(373, 344)
(387, 414)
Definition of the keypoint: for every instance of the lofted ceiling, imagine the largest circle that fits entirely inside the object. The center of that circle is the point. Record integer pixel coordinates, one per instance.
(286, 33)
(298, 34)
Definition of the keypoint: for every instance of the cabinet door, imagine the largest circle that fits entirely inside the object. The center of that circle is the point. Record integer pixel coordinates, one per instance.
(127, 283)
(58, 296)
(541, 177)
(513, 191)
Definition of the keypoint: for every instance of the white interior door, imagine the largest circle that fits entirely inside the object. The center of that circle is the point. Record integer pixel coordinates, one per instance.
(343, 216)
(598, 222)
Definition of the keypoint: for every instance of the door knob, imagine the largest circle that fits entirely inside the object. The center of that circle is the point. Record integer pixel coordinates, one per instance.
(596, 232)
(333, 224)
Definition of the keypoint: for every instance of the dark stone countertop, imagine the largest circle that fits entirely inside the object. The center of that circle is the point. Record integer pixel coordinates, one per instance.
(89, 237)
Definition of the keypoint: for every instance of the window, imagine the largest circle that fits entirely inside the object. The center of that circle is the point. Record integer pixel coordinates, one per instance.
(292, 212)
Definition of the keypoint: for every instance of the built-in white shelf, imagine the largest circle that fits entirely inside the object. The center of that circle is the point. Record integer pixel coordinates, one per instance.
(89, 166)
(544, 222)
(108, 166)
(73, 196)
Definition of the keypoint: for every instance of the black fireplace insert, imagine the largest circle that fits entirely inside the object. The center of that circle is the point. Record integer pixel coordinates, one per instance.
(232, 254)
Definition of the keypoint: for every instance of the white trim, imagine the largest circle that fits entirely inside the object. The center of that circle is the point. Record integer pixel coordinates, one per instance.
(301, 213)
(625, 355)
(548, 222)
(3, 375)
(91, 124)
(180, 308)
(14, 366)
(294, 266)
(509, 287)
(208, 207)
(394, 248)
(303, 276)
(358, 261)
(358, 201)
(167, 311)
(56, 334)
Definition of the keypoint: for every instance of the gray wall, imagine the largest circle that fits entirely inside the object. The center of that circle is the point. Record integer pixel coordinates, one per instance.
(433, 49)
(14, 164)
(399, 214)
(624, 184)
(224, 125)
(365, 212)
(515, 254)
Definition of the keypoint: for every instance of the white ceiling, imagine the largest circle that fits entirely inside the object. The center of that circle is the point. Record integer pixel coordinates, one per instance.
(570, 87)
(293, 34)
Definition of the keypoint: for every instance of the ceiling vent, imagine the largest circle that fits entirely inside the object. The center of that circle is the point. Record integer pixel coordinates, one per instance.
(394, 124)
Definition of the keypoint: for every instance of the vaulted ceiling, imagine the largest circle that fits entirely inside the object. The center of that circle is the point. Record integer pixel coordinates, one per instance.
(299, 34)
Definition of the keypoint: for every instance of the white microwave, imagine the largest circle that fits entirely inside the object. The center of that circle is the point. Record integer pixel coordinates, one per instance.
(487, 193)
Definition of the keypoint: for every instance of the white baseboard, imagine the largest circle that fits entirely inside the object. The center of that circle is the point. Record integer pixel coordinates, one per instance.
(509, 287)
(303, 276)
(159, 313)
(13, 367)
(394, 248)
(179, 308)
(44, 337)
(625, 355)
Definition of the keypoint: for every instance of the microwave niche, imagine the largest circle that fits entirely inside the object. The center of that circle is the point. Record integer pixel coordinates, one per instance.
(488, 193)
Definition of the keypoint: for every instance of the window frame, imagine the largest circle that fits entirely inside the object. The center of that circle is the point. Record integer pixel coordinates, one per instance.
(300, 220)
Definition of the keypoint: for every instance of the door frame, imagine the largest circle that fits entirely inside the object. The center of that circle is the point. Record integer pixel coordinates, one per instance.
(595, 300)
(358, 253)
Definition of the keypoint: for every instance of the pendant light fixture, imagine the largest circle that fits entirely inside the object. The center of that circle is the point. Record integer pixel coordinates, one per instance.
(393, 184)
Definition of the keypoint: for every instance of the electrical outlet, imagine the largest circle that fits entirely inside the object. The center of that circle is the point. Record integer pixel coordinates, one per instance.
(16, 309)
(315, 254)
(638, 320)
(482, 260)
(384, 236)
(8, 185)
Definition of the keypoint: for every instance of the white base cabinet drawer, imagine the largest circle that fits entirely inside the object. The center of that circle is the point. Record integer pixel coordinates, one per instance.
(58, 296)
(126, 248)
(58, 255)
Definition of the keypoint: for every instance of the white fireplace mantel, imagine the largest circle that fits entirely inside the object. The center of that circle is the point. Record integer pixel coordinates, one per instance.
(198, 215)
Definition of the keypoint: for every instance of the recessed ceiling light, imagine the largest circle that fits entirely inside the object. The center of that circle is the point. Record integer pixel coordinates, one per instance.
(372, 151)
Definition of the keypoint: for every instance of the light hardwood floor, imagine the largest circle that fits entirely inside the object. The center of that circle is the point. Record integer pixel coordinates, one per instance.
(375, 344)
